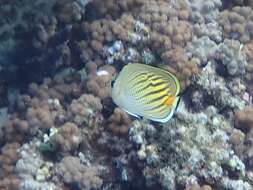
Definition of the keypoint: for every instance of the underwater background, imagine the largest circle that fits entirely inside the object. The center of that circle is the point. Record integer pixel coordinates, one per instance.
(59, 128)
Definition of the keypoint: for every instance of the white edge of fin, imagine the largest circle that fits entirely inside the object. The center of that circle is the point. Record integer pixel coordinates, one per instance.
(131, 113)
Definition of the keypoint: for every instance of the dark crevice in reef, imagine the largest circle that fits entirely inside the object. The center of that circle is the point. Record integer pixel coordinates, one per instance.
(92, 13)
(229, 4)
(32, 65)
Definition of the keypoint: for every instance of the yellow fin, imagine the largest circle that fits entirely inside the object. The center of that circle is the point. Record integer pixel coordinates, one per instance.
(169, 101)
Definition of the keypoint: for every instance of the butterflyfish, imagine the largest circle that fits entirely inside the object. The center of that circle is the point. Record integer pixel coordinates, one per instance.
(143, 90)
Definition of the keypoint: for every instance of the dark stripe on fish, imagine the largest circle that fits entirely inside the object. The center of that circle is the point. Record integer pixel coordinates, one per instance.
(154, 92)
(143, 80)
(158, 106)
(156, 78)
(150, 84)
(138, 75)
(172, 85)
(158, 98)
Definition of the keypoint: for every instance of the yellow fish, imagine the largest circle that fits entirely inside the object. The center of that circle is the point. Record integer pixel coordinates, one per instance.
(143, 90)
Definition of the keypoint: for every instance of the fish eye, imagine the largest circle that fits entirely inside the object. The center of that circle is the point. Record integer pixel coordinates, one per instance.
(112, 82)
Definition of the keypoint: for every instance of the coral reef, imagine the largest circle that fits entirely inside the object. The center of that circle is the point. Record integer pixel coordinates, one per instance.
(215, 87)
(197, 159)
(164, 32)
(204, 11)
(249, 68)
(203, 49)
(69, 11)
(119, 122)
(71, 171)
(233, 49)
(243, 121)
(8, 159)
(82, 111)
(97, 81)
(237, 23)
(67, 138)
(59, 128)
(32, 169)
(18, 21)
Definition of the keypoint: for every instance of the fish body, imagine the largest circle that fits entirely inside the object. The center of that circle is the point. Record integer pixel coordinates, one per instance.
(143, 90)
